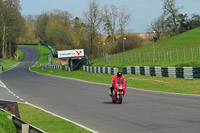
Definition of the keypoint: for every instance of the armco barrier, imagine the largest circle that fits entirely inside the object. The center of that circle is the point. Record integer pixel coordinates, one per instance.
(108, 70)
(147, 70)
(172, 72)
(19, 125)
(152, 71)
(158, 72)
(164, 72)
(54, 66)
(196, 72)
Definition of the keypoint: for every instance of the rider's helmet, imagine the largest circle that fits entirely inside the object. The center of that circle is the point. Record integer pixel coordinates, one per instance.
(119, 74)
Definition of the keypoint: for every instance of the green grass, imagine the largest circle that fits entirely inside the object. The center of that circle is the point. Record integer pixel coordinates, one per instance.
(6, 125)
(46, 121)
(44, 51)
(8, 63)
(162, 84)
(180, 50)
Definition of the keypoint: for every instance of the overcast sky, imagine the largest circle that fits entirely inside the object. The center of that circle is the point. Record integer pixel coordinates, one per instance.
(144, 11)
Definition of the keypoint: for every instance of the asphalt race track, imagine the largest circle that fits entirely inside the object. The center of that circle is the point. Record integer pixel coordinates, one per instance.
(89, 104)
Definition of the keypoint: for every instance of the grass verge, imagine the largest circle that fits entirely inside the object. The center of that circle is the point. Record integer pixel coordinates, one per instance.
(163, 84)
(46, 121)
(8, 63)
(6, 125)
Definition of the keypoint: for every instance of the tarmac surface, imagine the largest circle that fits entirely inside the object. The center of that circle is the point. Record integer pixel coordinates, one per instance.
(89, 104)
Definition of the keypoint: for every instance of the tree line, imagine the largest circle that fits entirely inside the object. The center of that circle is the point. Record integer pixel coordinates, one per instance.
(11, 26)
(172, 22)
(63, 31)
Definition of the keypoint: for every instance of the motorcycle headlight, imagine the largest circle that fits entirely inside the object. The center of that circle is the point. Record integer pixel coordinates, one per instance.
(120, 88)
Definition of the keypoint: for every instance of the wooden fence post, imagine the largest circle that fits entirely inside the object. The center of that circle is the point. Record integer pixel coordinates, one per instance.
(164, 57)
(131, 57)
(170, 55)
(153, 57)
(184, 55)
(135, 57)
(128, 57)
(177, 55)
(192, 53)
(140, 57)
(199, 52)
(159, 56)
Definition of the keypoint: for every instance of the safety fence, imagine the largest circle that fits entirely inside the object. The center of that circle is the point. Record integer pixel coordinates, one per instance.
(108, 70)
(161, 56)
(173, 72)
(23, 126)
(55, 66)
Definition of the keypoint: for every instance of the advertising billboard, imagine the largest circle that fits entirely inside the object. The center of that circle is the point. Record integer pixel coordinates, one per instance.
(71, 53)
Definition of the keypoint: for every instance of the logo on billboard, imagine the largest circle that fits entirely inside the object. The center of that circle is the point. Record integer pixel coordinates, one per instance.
(71, 53)
(78, 52)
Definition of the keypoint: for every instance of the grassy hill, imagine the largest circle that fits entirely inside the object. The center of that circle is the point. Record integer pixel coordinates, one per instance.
(180, 50)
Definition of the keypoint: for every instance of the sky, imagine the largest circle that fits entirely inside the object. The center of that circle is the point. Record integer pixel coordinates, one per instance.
(143, 11)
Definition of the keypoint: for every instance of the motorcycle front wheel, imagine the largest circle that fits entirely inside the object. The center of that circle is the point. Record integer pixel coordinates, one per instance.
(120, 99)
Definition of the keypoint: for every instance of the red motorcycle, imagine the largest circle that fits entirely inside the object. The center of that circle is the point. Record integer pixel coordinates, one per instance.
(119, 91)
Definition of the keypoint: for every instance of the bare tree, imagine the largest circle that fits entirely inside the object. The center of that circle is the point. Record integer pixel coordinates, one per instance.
(124, 19)
(171, 12)
(159, 26)
(92, 20)
(110, 15)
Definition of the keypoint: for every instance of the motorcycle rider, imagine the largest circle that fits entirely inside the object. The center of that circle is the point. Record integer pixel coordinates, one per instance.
(115, 78)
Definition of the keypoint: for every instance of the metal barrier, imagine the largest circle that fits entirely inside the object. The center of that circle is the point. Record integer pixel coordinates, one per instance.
(20, 123)
(173, 72)
(108, 70)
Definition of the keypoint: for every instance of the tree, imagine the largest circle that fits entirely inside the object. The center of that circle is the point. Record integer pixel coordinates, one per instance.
(132, 41)
(13, 23)
(92, 20)
(40, 26)
(79, 34)
(159, 26)
(57, 33)
(184, 23)
(110, 16)
(195, 21)
(28, 35)
(124, 19)
(172, 14)
(2, 24)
